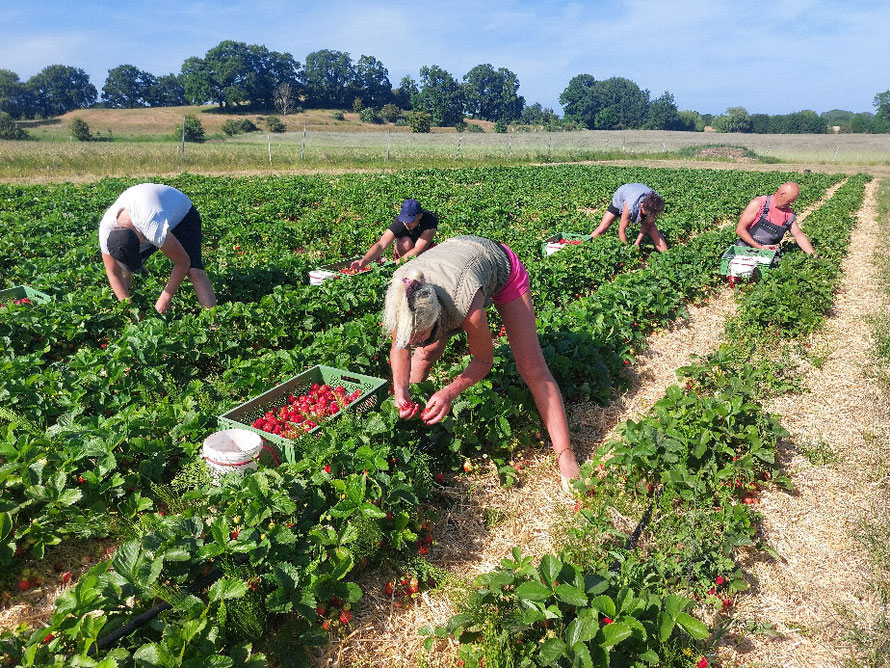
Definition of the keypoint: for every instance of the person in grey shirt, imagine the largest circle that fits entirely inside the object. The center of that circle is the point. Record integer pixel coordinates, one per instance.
(637, 204)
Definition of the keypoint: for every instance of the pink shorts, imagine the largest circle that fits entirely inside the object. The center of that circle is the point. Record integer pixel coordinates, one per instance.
(518, 283)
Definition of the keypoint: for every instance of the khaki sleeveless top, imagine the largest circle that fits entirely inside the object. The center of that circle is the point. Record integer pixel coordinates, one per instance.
(458, 268)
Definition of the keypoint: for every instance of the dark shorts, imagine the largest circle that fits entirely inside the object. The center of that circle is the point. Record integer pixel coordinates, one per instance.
(614, 210)
(188, 233)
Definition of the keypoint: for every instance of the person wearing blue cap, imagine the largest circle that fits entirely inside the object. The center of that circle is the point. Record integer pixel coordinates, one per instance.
(412, 231)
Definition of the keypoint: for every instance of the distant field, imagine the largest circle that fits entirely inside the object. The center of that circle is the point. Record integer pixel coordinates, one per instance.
(139, 142)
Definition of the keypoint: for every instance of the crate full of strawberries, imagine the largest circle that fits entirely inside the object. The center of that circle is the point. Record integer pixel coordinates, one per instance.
(302, 404)
(23, 295)
(557, 242)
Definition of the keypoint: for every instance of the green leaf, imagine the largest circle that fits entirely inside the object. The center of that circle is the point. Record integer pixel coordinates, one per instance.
(674, 605)
(227, 588)
(614, 633)
(551, 650)
(571, 595)
(550, 569)
(604, 604)
(692, 626)
(533, 591)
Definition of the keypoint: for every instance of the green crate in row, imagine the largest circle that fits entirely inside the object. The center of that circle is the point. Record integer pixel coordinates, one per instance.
(243, 416)
(547, 247)
(764, 260)
(22, 292)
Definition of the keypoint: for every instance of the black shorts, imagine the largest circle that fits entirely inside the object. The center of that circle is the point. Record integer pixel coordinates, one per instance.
(188, 233)
(613, 210)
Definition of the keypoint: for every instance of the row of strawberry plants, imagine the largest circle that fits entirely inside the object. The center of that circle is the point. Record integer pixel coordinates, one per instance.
(105, 390)
(706, 449)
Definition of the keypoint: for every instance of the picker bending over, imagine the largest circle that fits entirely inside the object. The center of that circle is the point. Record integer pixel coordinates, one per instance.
(446, 290)
(412, 231)
(143, 219)
(634, 203)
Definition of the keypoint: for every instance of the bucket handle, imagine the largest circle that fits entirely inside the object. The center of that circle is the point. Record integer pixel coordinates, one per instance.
(271, 452)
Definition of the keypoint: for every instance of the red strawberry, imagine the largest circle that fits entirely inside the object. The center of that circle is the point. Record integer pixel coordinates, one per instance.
(326, 625)
(49, 637)
(440, 477)
(66, 577)
(703, 663)
(607, 620)
(388, 588)
(327, 468)
(719, 580)
(234, 534)
(24, 585)
(345, 616)
(320, 610)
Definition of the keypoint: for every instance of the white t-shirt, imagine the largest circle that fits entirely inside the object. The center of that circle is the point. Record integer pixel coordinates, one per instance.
(155, 209)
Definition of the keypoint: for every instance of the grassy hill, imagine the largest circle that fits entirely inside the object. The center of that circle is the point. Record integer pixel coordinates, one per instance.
(159, 122)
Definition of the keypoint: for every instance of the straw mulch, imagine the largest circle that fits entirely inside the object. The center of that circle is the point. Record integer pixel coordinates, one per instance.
(822, 582)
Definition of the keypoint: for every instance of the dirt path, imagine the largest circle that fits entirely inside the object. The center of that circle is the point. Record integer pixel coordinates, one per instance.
(845, 429)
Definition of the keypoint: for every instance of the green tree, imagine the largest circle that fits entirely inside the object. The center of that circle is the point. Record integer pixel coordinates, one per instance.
(126, 86)
(275, 124)
(15, 99)
(492, 94)
(58, 89)
(194, 130)
(578, 99)
(663, 114)
(419, 121)
(735, 119)
(441, 96)
(882, 105)
(167, 91)
(9, 129)
(330, 78)
(693, 121)
(803, 122)
(612, 104)
(235, 73)
(371, 82)
(535, 114)
(390, 112)
(80, 130)
(406, 93)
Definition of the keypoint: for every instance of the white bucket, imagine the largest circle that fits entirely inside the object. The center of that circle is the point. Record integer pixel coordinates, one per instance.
(554, 246)
(742, 267)
(319, 276)
(232, 450)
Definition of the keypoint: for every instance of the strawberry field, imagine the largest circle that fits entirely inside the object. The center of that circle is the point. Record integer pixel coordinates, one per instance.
(104, 406)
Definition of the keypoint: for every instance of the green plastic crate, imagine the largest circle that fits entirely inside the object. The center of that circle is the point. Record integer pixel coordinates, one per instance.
(243, 416)
(569, 236)
(331, 271)
(767, 260)
(23, 291)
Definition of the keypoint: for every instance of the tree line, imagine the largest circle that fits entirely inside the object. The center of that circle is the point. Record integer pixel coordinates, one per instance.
(238, 76)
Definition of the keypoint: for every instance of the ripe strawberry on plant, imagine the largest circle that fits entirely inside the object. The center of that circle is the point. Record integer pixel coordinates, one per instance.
(345, 617)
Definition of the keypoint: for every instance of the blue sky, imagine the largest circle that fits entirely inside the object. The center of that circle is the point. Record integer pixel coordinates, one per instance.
(769, 57)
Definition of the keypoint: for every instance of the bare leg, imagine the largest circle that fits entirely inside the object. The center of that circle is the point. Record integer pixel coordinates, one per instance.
(203, 289)
(519, 319)
(656, 236)
(423, 360)
(403, 245)
(608, 219)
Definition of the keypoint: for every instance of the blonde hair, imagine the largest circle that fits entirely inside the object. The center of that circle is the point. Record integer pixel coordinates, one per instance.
(411, 306)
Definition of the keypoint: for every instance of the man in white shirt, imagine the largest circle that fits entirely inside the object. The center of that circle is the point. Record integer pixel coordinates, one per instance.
(143, 219)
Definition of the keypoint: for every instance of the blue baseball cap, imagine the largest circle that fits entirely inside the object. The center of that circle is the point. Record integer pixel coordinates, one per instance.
(410, 209)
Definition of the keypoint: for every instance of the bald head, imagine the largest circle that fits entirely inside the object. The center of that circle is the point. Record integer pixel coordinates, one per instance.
(786, 194)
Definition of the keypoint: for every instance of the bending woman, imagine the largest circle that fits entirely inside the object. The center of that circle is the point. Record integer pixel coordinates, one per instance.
(446, 290)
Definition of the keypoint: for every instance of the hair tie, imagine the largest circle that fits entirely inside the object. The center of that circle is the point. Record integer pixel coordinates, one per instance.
(411, 286)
